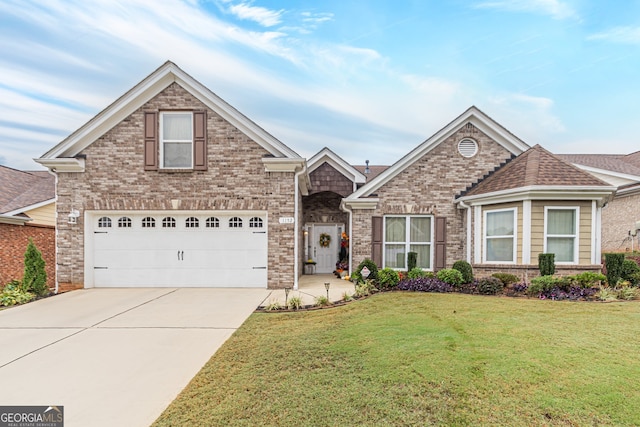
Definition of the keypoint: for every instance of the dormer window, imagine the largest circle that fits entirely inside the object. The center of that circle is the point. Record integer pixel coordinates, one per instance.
(176, 140)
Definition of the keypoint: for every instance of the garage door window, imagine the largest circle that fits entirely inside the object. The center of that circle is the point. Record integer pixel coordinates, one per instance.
(124, 222)
(192, 222)
(168, 222)
(235, 222)
(213, 222)
(104, 222)
(148, 222)
(255, 222)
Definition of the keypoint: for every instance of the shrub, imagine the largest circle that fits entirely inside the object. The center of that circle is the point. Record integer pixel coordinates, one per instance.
(627, 293)
(388, 278)
(588, 279)
(294, 303)
(273, 305)
(613, 263)
(35, 276)
(634, 279)
(346, 296)
(415, 273)
(465, 268)
(506, 278)
(630, 271)
(542, 284)
(425, 284)
(322, 301)
(546, 264)
(490, 286)
(13, 294)
(412, 260)
(450, 276)
(365, 288)
(607, 294)
(373, 271)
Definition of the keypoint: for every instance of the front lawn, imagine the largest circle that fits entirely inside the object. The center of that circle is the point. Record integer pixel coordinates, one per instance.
(407, 358)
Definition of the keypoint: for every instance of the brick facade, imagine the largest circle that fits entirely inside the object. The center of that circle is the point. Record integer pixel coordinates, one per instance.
(428, 187)
(115, 179)
(13, 244)
(617, 220)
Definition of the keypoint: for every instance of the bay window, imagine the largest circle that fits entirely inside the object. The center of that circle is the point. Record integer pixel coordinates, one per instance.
(561, 233)
(500, 236)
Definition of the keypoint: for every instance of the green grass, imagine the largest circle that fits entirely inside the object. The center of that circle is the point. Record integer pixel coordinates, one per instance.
(424, 359)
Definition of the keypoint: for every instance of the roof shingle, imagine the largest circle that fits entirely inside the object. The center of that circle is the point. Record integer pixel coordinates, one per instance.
(21, 189)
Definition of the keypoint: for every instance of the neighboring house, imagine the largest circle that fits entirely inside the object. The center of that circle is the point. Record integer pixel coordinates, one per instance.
(27, 210)
(171, 186)
(621, 217)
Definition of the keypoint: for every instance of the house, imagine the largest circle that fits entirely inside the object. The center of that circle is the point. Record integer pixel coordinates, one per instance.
(171, 186)
(27, 211)
(621, 217)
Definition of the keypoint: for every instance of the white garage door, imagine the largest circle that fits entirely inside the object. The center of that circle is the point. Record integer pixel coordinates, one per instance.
(190, 249)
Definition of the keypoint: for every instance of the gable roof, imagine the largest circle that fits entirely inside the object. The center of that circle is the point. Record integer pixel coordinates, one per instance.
(472, 115)
(338, 163)
(22, 190)
(538, 170)
(152, 85)
(374, 170)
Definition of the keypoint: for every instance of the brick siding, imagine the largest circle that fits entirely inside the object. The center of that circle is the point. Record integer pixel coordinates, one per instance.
(13, 244)
(114, 179)
(428, 186)
(617, 219)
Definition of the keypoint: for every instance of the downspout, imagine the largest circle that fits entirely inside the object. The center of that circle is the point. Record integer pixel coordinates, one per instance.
(55, 233)
(296, 239)
(468, 208)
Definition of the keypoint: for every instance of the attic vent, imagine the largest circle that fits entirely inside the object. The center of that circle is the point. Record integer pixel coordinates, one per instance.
(468, 147)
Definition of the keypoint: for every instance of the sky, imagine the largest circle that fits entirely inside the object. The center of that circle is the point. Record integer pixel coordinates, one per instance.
(369, 79)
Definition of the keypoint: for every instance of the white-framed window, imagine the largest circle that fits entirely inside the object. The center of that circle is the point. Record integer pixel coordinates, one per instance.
(104, 222)
(212, 222)
(500, 237)
(124, 222)
(404, 234)
(176, 140)
(168, 222)
(192, 222)
(561, 233)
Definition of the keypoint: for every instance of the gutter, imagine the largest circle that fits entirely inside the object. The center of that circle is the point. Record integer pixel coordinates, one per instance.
(296, 234)
(347, 209)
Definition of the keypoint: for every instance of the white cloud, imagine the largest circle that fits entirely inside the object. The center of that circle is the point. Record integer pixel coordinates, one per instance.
(261, 15)
(555, 8)
(626, 35)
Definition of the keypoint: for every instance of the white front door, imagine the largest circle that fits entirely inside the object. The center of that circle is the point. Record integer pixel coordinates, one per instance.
(325, 253)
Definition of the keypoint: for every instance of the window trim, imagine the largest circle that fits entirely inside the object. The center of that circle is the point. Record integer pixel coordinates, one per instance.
(576, 236)
(161, 140)
(485, 238)
(407, 242)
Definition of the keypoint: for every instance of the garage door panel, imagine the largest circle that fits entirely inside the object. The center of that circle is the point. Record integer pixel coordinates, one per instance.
(180, 256)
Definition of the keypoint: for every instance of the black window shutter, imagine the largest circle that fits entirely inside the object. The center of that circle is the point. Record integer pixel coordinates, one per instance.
(150, 141)
(200, 140)
(441, 243)
(376, 240)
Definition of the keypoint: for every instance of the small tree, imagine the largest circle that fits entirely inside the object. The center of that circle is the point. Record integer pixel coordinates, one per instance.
(614, 264)
(465, 268)
(546, 264)
(412, 260)
(35, 276)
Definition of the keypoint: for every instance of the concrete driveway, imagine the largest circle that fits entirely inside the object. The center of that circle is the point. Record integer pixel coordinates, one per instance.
(115, 357)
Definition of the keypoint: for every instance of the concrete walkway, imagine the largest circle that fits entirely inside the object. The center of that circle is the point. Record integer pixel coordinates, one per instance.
(115, 357)
(312, 286)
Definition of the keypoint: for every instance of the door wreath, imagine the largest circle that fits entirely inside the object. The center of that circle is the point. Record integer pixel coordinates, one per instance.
(325, 240)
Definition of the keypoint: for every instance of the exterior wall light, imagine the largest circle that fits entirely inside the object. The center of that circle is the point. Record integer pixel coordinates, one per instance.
(73, 216)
